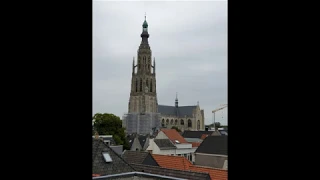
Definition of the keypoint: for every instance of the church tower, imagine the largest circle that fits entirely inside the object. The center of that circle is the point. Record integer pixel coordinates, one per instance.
(143, 95)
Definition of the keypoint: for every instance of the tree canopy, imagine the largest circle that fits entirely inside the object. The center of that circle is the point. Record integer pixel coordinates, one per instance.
(110, 124)
(176, 128)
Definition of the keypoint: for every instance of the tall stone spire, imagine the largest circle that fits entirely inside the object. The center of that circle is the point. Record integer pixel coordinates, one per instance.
(176, 101)
(143, 95)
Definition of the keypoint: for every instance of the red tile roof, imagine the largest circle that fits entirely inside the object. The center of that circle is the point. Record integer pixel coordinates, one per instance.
(181, 163)
(173, 135)
(172, 162)
(95, 175)
(215, 174)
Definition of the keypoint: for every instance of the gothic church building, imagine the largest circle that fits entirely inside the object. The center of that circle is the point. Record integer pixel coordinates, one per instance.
(143, 110)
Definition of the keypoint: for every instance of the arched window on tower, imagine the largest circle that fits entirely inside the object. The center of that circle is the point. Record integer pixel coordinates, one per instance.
(198, 125)
(139, 62)
(150, 85)
(171, 122)
(136, 85)
(144, 60)
(162, 123)
(147, 83)
(181, 122)
(167, 121)
(140, 85)
(176, 122)
(189, 123)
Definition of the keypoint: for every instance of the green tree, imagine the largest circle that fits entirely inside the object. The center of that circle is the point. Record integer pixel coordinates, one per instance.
(110, 124)
(176, 128)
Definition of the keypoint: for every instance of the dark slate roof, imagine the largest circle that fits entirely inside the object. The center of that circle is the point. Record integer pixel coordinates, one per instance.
(118, 149)
(171, 172)
(99, 166)
(181, 111)
(130, 137)
(164, 144)
(195, 134)
(142, 139)
(136, 157)
(139, 157)
(214, 145)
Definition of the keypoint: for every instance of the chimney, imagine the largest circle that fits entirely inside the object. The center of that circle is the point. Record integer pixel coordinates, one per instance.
(96, 135)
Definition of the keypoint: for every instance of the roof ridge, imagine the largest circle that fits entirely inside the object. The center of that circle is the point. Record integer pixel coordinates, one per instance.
(206, 167)
(169, 168)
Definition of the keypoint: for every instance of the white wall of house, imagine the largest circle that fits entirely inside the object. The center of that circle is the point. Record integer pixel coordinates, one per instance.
(183, 149)
(167, 151)
(161, 135)
(184, 146)
(151, 144)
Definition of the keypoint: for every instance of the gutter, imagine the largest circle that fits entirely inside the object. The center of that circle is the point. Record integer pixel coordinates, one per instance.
(136, 174)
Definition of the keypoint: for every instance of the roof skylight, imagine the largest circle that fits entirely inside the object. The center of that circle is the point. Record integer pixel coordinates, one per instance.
(107, 157)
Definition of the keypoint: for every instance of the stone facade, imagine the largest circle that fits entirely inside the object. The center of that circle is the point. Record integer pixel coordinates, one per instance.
(143, 95)
(183, 117)
(143, 104)
(142, 116)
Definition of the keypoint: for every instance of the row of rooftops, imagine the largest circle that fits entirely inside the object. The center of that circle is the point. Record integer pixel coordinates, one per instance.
(106, 163)
(190, 137)
(187, 137)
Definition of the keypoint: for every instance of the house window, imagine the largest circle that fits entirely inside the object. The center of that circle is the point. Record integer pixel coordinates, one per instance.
(190, 157)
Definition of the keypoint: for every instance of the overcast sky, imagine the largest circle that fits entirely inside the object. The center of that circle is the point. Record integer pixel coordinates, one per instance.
(188, 41)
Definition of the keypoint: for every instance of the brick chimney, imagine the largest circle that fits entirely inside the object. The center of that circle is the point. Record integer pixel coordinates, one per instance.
(96, 135)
